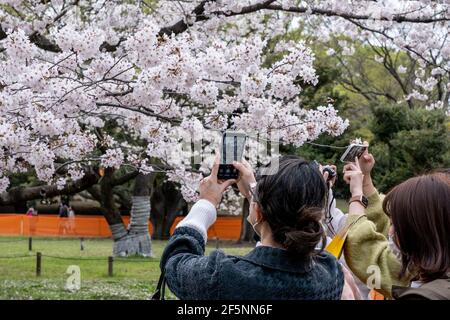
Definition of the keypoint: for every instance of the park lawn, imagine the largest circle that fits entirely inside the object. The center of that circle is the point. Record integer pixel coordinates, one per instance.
(133, 278)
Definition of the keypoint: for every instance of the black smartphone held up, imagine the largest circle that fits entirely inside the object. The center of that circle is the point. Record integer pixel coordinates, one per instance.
(354, 150)
(233, 144)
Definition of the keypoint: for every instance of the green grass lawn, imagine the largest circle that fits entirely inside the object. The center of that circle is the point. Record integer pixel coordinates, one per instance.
(133, 278)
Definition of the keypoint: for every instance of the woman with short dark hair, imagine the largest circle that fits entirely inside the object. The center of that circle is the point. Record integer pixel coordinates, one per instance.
(286, 208)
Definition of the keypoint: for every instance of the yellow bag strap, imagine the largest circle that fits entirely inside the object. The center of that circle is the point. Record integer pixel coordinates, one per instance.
(336, 246)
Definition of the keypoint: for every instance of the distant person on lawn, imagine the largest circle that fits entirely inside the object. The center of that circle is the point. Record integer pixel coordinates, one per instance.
(63, 210)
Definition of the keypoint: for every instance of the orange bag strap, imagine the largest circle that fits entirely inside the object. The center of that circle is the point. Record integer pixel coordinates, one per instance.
(375, 295)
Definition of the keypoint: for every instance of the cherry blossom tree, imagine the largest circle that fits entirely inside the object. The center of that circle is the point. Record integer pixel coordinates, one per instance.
(409, 39)
(117, 84)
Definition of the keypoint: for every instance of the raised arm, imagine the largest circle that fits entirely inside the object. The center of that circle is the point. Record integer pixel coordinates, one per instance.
(367, 251)
(374, 211)
(190, 274)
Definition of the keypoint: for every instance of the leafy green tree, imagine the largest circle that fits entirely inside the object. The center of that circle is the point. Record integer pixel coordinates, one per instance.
(408, 142)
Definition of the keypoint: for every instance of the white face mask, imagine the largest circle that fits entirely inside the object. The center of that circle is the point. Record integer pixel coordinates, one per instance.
(253, 225)
(393, 246)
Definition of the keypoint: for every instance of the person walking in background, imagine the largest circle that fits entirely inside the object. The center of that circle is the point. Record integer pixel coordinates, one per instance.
(33, 219)
(71, 222)
(71, 212)
(30, 212)
(63, 210)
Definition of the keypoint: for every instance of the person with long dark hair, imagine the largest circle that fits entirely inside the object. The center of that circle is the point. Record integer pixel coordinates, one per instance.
(286, 209)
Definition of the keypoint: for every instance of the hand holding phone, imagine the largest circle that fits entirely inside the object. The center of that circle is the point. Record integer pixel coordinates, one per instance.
(233, 144)
(211, 188)
(246, 179)
(354, 177)
(353, 151)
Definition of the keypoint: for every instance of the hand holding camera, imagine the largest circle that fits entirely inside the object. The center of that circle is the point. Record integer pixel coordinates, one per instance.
(359, 152)
(330, 174)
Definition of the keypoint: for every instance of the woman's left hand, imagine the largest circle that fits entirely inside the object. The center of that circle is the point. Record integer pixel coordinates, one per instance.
(246, 178)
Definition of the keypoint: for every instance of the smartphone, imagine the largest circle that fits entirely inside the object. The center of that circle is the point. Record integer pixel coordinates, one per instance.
(354, 150)
(233, 144)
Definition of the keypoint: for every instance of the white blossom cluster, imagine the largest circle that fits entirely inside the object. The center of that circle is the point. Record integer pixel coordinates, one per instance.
(103, 81)
(418, 28)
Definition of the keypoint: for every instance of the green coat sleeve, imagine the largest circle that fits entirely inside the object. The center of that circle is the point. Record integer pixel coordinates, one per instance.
(375, 213)
(367, 250)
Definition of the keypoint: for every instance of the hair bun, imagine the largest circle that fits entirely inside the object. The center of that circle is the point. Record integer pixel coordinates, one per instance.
(304, 237)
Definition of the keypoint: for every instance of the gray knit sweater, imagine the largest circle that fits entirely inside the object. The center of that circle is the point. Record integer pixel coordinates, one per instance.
(264, 273)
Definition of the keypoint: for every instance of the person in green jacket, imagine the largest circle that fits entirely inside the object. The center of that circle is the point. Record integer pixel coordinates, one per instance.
(368, 251)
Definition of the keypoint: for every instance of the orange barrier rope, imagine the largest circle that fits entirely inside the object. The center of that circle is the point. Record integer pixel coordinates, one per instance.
(225, 228)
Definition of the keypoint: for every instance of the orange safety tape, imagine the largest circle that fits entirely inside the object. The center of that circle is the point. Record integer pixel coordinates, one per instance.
(225, 228)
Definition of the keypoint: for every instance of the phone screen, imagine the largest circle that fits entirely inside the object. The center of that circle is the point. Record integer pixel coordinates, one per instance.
(232, 147)
(233, 144)
(353, 151)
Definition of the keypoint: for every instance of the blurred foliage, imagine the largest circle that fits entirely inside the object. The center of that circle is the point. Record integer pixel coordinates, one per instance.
(408, 142)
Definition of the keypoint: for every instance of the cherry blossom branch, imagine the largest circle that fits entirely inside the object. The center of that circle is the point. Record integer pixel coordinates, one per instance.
(346, 15)
(139, 109)
(384, 34)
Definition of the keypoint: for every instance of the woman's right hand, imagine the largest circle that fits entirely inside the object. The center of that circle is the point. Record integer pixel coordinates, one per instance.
(246, 177)
(354, 177)
(366, 163)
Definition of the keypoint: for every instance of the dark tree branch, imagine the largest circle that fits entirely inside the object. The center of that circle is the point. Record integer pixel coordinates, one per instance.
(94, 191)
(3, 34)
(348, 15)
(125, 178)
(21, 194)
(181, 25)
(139, 109)
(198, 15)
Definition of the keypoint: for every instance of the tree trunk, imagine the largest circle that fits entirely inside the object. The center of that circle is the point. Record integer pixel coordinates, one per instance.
(167, 204)
(112, 214)
(139, 237)
(135, 240)
(247, 232)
